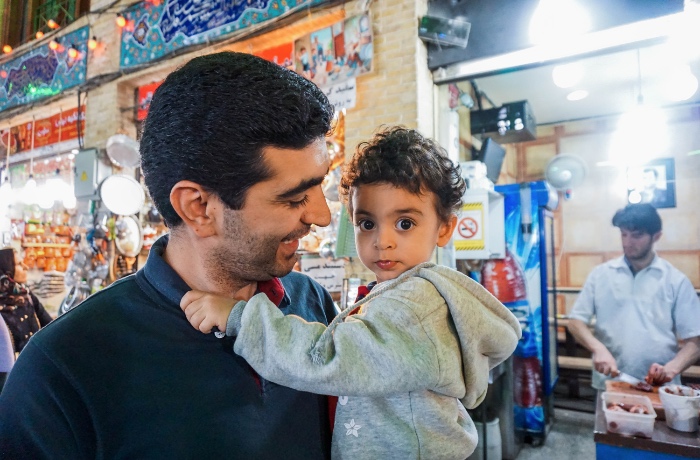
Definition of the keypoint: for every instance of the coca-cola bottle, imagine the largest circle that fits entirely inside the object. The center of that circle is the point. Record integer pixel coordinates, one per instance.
(505, 279)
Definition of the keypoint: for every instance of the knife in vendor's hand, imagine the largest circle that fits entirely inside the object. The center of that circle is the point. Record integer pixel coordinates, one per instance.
(622, 377)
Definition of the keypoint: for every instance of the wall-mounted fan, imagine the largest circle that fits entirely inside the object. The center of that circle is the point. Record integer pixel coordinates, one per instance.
(565, 172)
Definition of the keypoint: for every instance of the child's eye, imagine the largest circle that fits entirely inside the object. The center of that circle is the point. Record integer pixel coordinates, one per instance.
(404, 224)
(365, 224)
(302, 202)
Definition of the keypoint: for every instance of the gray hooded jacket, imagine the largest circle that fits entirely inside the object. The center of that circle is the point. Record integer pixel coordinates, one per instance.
(404, 367)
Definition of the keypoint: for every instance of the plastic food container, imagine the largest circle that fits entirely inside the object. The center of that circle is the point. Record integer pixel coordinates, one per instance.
(681, 405)
(628, 423)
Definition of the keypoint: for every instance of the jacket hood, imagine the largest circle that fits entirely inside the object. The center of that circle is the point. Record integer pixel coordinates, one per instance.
(488, 332)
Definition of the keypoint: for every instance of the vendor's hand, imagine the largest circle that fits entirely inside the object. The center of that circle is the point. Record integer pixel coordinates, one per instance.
(205, 310)
(604, 362)
(658, 374)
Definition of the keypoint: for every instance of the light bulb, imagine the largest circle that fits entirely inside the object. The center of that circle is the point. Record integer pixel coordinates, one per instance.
(555, 20)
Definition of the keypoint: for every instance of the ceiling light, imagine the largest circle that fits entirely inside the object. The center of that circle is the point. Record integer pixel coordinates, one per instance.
(641, 135)
(52, 24)
(554, 20)
(39, 35)
(577, 95)
(92, 43)
(121, 20)
(680, 84)
(7, 49)
(567, 75)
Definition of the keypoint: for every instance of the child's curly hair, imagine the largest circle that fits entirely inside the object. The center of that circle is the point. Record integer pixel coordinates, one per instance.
(404, 158)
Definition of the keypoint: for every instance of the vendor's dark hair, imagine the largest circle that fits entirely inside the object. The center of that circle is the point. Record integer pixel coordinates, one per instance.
(641, 217)
(211, 119)
(405, 159)
(7, 262)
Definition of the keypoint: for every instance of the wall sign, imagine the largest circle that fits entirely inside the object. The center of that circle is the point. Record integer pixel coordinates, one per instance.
(56, 129)
(43, 72)
(154, 31)
(329, 273)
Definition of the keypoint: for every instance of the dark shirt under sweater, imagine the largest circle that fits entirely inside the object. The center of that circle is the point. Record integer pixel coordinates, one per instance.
(124, 375)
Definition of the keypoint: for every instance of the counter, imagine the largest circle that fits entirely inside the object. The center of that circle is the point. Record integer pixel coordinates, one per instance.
(665, 444)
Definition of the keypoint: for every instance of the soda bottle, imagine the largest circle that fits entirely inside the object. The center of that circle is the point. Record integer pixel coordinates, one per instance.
(505, 279)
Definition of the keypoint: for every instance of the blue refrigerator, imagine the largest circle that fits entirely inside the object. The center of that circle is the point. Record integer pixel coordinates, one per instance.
(520, 282)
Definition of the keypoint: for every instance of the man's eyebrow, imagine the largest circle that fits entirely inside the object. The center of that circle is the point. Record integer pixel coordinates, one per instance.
(303, 186)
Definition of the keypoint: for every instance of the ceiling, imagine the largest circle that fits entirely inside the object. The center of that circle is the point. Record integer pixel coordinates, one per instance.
(612, 81)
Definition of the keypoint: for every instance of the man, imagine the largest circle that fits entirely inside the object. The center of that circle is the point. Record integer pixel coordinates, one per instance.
(233, 154)
(643, 307)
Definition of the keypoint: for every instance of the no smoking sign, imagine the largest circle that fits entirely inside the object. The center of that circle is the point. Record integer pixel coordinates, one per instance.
(467, 227)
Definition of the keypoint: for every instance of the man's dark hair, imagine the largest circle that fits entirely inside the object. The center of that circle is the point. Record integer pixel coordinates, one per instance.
(407, 160)
(211, 119)
(641, 217)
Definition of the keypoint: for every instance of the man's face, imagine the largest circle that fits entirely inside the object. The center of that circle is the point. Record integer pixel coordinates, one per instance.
(395, 229)
(261, 239)
(636, 244)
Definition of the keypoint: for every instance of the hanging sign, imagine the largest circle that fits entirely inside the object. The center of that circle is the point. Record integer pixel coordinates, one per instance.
(58, 128)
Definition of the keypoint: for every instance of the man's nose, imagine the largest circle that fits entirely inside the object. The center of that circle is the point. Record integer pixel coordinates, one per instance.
(317, 211)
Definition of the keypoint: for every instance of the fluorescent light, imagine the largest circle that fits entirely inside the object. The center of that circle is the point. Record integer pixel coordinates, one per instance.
(577, 95)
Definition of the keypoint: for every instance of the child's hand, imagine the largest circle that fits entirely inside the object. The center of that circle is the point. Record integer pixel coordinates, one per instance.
(205, 310)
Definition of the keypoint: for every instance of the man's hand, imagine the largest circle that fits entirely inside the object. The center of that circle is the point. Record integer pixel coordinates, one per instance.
(205, 310)
(658, 374)
(604, 362)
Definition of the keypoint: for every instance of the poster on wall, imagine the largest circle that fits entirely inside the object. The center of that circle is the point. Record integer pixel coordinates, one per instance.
(43, 72)
(155, 29)
(653, 183)
(282, 55)
(144, 95)
(337, 53)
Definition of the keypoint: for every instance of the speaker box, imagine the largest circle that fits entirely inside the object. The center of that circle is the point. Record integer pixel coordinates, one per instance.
(512, 122)
(447, 32)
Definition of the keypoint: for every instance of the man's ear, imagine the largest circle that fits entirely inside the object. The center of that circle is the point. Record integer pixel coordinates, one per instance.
(655, 237)
(197, 207)
(446, 230)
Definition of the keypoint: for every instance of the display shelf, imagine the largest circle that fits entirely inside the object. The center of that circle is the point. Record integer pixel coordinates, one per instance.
(47, 245)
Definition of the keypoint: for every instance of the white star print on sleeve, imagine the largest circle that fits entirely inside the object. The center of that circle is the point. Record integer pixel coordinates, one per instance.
(352, 428)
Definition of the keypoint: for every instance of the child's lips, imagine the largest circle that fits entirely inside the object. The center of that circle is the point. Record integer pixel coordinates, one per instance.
(386, 264)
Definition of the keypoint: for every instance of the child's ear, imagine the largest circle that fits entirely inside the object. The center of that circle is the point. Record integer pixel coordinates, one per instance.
(446, 230)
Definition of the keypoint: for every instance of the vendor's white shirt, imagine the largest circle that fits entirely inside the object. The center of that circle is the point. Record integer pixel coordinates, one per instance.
(638, 318)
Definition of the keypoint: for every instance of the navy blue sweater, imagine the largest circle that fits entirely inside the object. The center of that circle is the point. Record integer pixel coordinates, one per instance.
(124, 375)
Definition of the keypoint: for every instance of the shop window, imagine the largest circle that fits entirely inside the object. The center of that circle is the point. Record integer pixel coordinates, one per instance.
(22, 19)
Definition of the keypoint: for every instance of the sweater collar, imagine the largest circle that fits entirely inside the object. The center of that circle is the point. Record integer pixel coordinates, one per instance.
(169, 284)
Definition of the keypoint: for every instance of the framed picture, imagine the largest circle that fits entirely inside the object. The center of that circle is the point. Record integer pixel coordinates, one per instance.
(653, 183)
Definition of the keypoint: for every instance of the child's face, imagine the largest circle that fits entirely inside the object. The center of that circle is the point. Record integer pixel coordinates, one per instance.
(396, 230)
